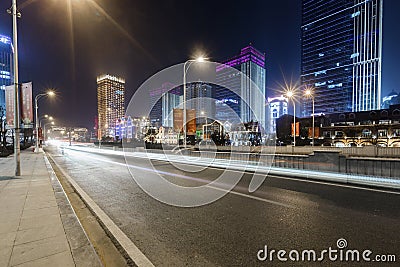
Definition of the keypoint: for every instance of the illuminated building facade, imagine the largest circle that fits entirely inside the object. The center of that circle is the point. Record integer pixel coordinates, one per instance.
(170, 101)
(236, 100)
(392, 98)
(278, 106)
(110, 103)
(341, 53)
(200, 98)
(156, 112)
(6, 78)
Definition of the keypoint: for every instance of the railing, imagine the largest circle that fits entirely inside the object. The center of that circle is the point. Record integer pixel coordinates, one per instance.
(366, 151)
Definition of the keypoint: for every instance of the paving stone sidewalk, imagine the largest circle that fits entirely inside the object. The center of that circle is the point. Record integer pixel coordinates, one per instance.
(37, 224)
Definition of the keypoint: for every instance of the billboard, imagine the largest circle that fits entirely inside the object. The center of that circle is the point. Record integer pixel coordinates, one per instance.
(190, 120)
(178, 120)
(316, 133)
(26, 109)
(10, 106)
(26, 103)
(297, 129)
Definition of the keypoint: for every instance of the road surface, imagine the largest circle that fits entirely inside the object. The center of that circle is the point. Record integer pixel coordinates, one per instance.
(284, 213)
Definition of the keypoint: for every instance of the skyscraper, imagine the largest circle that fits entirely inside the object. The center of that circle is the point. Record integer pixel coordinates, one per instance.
(110, 103)
(156, 113)
(238, 92)
(170, 101)
(6, 77)
(278, 106)
(199, 96)
(341, 54)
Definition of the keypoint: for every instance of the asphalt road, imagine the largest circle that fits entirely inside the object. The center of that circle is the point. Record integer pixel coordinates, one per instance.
(283, 214)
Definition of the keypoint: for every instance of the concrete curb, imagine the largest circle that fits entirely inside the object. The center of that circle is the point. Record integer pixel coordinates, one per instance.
(131, 250)
(57, 185)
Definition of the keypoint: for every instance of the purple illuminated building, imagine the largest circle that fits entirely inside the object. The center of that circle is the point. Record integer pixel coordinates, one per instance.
(230, 107)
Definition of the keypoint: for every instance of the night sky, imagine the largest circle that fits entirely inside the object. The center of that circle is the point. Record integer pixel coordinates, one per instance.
(135, 39)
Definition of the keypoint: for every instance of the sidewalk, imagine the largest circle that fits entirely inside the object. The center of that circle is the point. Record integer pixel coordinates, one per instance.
(37, 224)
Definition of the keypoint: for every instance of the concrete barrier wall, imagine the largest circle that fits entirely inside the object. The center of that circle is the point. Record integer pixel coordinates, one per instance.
(326, 161)
(366, 151)
(321, 160)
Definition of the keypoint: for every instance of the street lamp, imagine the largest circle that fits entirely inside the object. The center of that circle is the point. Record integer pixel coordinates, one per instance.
(46, 117)
(37, 97)
(290, 95)
(17, 146)
(190, 61)
(44, 129)
(309, 93)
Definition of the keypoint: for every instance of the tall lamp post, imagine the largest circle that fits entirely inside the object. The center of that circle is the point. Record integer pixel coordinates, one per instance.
(185, 69)
(44, 130)
(37, 97)
(290, 95)
(309, 93)
(17, 147)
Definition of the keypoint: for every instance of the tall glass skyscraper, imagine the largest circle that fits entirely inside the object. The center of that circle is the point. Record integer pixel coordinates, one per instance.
(156, 112)
(341, 54)
(238, 91)
(6, 77)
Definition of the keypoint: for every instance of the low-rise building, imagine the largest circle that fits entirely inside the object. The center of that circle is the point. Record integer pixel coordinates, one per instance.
(376, 127)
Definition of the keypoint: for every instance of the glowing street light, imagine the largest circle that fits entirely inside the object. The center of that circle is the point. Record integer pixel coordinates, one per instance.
(309, 93)
(190, 61)
(37, 97)
(43, 118)
(290, 95)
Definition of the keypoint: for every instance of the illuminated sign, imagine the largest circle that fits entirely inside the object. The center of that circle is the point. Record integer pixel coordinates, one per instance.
(5, 39)
(225, 100)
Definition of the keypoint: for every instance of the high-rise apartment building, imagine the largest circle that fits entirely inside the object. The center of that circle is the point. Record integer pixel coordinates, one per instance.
(6, 57)
(341, 54)
(110, 103)
(237, 99)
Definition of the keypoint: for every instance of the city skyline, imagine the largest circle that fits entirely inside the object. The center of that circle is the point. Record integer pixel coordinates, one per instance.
(173, 133)
(74, 79)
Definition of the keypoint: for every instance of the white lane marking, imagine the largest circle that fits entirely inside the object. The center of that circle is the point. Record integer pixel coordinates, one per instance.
(274, 176)
(254, 197)
(189, 177)
(131, 249)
